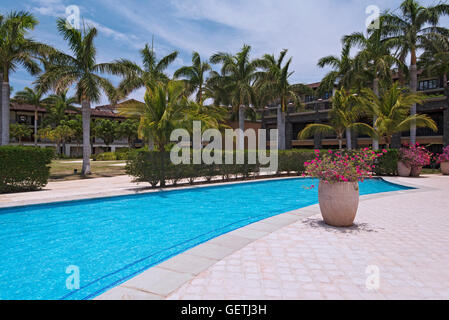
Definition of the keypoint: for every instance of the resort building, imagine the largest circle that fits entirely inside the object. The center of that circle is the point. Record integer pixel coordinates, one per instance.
(316, 110)
(25, 114)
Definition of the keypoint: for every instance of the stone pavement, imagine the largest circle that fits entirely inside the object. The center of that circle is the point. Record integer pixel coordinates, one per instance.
(403, 238)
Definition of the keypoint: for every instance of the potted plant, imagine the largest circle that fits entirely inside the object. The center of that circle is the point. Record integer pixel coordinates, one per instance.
(415, 157)
(339, 174)
(443, 159)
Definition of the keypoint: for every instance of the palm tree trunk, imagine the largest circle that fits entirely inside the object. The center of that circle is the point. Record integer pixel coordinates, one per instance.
(35, 125)
(413, 88)
(281, 128)
(1, 112)
(85, 105)
(348, 139)
(241, 142)
(376, 92)
(5, 112)
(446, 112)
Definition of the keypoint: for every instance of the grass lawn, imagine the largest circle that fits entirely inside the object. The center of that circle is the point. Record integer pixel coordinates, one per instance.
(61, 170)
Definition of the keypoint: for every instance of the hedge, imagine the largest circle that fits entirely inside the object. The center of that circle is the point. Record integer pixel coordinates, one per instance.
(24, 168)
(157, 169)
(387, 165)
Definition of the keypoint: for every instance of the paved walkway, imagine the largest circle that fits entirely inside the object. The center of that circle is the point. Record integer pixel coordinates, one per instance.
(404, 238)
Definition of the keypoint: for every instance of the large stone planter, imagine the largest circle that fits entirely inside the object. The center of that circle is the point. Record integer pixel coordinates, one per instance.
(339, 202)
(445, 168)
(416, 171)
(403, 169)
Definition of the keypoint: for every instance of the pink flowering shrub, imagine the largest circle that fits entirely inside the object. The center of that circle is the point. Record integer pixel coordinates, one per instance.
(444, 157)
(415, 156)
(343, 166)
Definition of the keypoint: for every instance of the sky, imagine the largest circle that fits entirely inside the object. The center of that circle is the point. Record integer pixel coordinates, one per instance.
(308, 29)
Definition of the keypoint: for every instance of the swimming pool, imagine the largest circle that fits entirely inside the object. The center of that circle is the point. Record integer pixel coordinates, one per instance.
(113, 239)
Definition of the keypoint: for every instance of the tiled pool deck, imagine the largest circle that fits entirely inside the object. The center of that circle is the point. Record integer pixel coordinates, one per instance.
(403, 235)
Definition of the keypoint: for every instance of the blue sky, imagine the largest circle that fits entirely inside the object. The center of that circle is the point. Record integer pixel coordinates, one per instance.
(309, 29)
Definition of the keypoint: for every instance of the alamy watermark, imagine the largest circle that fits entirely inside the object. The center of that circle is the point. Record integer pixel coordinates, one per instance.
(372, 22)
(373, 279)
(73, 280)
(73, 17)
(212, 152)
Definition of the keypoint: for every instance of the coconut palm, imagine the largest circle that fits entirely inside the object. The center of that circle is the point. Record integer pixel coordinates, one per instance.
(343, 117)
(274, 80)
(16, 50)
(374, 62)
(82, 71)
(238, 77)
(342, 73)
(407, 30)
(58, 105)
(35, 98)
(392, 112)
(148, 76)
(195, 76)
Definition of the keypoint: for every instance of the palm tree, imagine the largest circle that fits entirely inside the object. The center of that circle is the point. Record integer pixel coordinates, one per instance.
(82, 71)
(392, 112)
(238, 76)
(343, 117)
(342, 73)
(15, 50)
(57, 107)
(406, 31)
(274, 80)
(435, 61)
(34, 98)
(150, 74)
(195, 76)
(374, 61)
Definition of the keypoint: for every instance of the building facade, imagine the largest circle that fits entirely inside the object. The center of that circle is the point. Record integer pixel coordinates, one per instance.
(317, 111)
(25, 114)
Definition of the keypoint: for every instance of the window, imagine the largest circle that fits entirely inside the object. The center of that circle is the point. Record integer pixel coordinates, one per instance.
(310, 98)
(428, 85)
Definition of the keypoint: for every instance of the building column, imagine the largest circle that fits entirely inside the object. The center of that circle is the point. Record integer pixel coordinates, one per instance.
(354, 139)
(317, 136)
(113, 148)
(67, 150)
(288, 135)
(396, 142)
(446, 126)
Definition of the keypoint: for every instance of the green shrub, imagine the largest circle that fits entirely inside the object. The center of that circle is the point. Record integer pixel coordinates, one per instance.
(155, 167)
(24, 168)
(106, 156)
(387, 165)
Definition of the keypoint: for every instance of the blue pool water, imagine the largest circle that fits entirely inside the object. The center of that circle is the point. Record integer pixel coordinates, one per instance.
(113, 239)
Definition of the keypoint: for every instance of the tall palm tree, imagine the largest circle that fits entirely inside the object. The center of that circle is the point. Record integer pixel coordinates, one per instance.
(195, 76)
(374, 62)
(33, 97)
(435, 61)
(407, 30)
(274, 80)
(392, 112)
(151, 73)
(239, 75)
(82, 71)
(58, 105)
(15, 50)
(342, 73)
(342, 118)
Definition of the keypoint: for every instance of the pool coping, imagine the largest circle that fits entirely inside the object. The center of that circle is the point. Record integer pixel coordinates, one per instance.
(158, 282)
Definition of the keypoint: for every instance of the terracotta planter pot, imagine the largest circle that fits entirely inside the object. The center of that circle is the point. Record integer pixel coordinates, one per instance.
(445, 168)
(403, 169)
(339, 202)
(416, 171)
